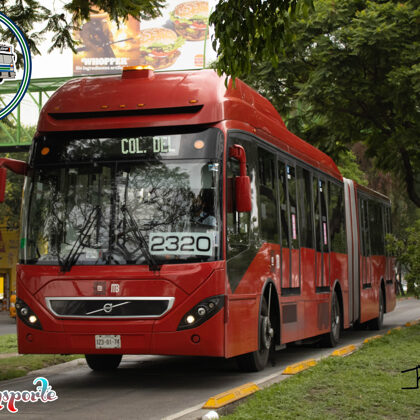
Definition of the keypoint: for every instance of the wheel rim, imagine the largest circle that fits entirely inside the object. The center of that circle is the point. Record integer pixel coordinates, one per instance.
(381, 309)
(335, 319)
(266, 333)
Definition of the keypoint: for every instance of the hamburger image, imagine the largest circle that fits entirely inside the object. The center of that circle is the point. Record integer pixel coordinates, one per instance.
(191, 19)
(126, 41)
(159, 47)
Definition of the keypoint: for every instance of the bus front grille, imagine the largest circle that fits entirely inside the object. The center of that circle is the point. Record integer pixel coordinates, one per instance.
(91, 307)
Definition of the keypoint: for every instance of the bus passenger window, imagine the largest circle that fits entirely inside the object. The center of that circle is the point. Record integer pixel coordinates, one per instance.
(377, 238)
(337, 218)
(324, 218)
(305, 208)
(268, 197)
(365, 228)
(315, 191)
(294, 227)
(283, 205)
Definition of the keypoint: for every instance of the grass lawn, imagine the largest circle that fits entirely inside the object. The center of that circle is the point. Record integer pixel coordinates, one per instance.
(364, 385)
(13, 367)
(8, 343)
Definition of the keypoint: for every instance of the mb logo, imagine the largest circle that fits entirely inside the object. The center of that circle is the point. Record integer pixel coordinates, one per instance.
(115, 288)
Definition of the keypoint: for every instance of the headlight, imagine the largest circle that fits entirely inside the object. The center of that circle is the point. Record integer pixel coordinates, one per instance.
(27, 315)
(202, 312)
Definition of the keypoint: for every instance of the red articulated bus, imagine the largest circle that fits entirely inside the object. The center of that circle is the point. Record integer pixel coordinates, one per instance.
(165, 213)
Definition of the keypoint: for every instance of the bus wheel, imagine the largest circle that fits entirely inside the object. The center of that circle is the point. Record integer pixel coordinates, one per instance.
(332, 338)
(257, 360)
(376, 324)
(101, 362)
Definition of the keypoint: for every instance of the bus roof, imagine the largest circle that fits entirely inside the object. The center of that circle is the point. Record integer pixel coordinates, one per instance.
(142, 98)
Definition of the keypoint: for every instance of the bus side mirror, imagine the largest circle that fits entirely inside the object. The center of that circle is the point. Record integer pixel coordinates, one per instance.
(3, 178)
(243, 194)
(16, 166)
(242, 182)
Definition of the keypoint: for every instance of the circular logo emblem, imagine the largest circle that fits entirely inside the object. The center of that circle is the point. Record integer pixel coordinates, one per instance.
(108, 308)
(7, 50)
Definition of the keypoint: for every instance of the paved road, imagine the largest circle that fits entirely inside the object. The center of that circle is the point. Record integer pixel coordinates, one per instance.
(154, 387)
(7, 324)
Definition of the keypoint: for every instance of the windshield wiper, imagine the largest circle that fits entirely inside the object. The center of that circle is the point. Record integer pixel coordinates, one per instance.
(74, 253)
(153, 265)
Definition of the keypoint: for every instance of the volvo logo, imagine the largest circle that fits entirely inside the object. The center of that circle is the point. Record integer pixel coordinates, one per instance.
(107, 308)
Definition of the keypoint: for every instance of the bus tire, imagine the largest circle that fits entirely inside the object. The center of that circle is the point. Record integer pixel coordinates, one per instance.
(332, 338)
(377, 323)
(102, 362)
(257, 360)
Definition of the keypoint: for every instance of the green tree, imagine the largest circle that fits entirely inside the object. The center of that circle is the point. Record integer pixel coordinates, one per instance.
(351, 73)
(249, 31)
(406, 249)
(10, 209)
(349, 167)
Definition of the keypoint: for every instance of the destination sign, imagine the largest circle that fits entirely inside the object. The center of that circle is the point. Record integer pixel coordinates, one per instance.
(55, 148)
(136, 146)
(5, 48)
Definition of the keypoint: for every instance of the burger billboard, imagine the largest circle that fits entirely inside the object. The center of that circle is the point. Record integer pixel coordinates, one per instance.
(191, 19)
(177, 40)
(159, 47)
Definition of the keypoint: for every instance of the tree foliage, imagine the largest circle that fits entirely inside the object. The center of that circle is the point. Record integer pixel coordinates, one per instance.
(252, 30)
(351, 73)
(10, 209)
(406, 249)
(349, 167)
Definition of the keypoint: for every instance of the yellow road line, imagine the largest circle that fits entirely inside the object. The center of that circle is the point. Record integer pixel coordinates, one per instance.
(394, 329)
(372, 338)
(298, 367)
(343, 351)
(232, 395)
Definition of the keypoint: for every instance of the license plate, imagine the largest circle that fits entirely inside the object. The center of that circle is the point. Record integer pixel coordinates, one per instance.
(108, 341)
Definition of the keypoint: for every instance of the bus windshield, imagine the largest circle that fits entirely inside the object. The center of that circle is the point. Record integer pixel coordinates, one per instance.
(152, 209)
